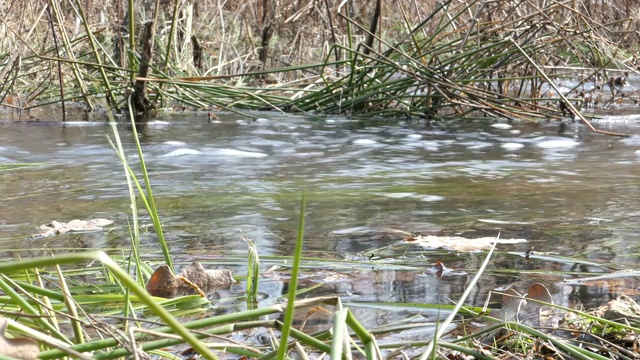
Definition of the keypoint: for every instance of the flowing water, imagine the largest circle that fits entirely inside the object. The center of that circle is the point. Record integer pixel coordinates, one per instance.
(574, 196)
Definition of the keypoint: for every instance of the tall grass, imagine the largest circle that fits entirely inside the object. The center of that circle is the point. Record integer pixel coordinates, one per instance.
(424, 59)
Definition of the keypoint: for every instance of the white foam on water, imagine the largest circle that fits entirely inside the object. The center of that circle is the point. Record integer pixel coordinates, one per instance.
(511, 146)
(432, 198)
(353, 230)
(83, 123)
(414, 136)
(174, 143)
(557, 144)
(182, 152)
(632, 140)
(241, 153)
(398, 195)
(364, 142)
(158, 123)
(501, 126)
(474, 145)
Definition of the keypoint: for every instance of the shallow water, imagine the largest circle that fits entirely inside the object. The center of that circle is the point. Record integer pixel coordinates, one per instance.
(573, 196)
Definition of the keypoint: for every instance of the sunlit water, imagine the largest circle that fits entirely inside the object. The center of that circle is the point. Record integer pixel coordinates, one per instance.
(573, 196)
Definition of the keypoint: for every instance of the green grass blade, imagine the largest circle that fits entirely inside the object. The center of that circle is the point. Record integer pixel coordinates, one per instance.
(449, 319)
(339, 334)
(151, 205)
(118, 272)
(293, 283)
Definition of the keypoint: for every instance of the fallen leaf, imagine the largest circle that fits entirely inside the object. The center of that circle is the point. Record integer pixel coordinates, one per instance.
(163, 283)
(55, 227)
(438, 269)
(193, 279)
(510, 306)
(461, 244)
(208, 280)
(622, 308)
(517, 308)
(19, 348)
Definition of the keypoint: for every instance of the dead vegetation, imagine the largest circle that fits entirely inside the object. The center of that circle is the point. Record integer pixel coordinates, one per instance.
(398, 58)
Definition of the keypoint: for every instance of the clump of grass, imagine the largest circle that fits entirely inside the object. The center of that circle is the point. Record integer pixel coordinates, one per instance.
(398, 58)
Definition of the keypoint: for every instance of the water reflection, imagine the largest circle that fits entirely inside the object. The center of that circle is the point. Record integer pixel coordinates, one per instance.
(215, 183)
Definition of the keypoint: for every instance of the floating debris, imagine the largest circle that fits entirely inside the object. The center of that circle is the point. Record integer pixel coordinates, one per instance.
(193, 279)
(459, 243)
(55, 227)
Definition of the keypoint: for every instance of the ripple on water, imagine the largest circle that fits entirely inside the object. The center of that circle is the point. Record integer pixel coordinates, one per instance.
(632, 140)
(241, 153)
(402, 195)
(182, 152)
(511, 146)
(365, 142)
(476, 145)
(158, 123)
(501, 126)
(431, 198)
(174, 143)
(546, 142)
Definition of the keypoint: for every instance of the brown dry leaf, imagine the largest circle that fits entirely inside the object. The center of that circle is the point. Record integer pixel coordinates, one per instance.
(55, 227)
(461, 244)
(208, 280)
(510, 306)
(531, 313)
(20, 348)
(163, 283)
(623, 307)
(191, 280)
(438, 269)
(539, 292)
(535, 313)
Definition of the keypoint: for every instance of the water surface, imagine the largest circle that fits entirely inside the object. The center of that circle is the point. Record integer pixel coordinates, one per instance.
(573, 196)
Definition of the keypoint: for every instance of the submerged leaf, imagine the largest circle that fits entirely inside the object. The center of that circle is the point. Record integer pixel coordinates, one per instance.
(460, 243)
(19, 348)
(193, 279)
(55, 227)
(517, 308)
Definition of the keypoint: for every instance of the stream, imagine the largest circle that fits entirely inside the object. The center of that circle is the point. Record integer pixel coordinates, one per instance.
(573, 196)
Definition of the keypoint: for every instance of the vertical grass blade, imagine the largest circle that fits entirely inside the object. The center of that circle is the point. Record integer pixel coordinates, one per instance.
(443, 327)
(339, 334)
(253, 274)
(293, 283)
(151, 204)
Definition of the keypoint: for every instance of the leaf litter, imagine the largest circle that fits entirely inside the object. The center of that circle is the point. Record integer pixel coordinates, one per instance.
(19, 348)
(193, 279)
(536, 310)
(55, 227)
